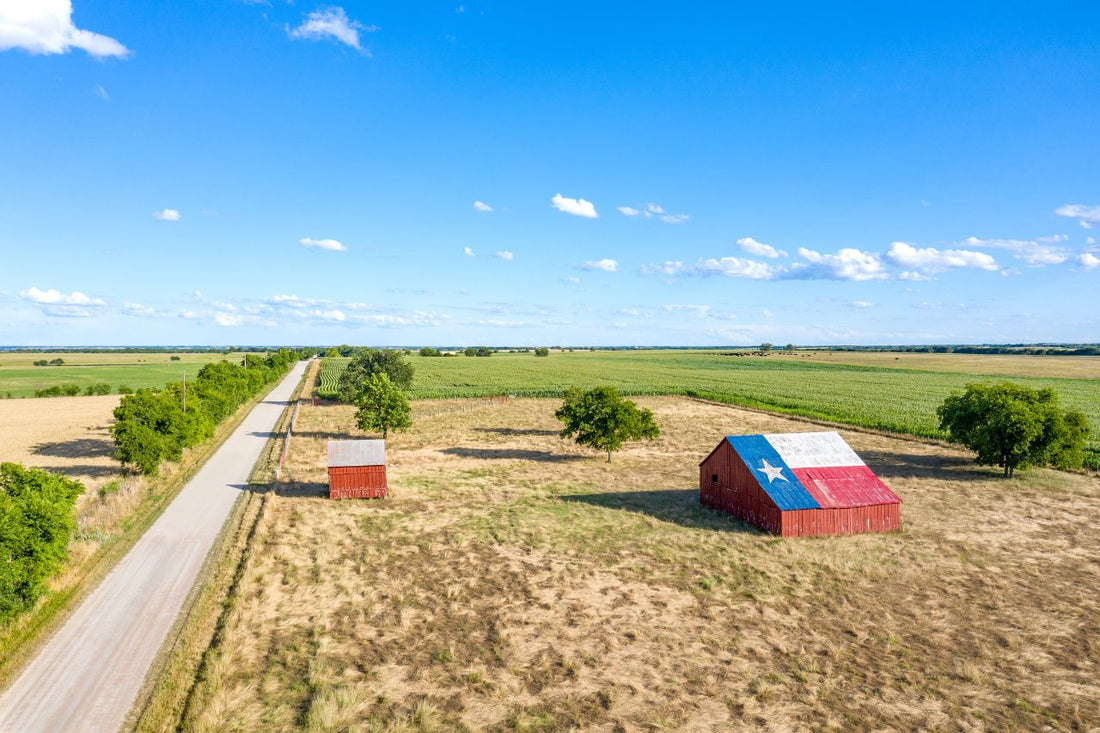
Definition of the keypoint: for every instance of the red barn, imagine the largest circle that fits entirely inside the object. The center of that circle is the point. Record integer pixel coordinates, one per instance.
(797, 485)
(356, 469)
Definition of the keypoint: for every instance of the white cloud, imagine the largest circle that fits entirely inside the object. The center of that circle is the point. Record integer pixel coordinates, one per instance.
(573, 280)
(137, 309)
(606, 264)
(1090, 240)
(331, 23)
(62, 305)
(100, 92)
(652, 210)
(1034, 252)
(1087, 260)
(56, 297)
(862, 304)
(627, 312)
(735, 267)
(913, 275)
(228, 319)
(760, 249)
(847, 264)
(482, 206)
(189, 315)
(669, 267)
(1087, 216)
(167, 215)
(504, 255)
(334, 315)
(930, 259)
(468, 252)
(699, 310)
(46, 27)
(330, 244)
(576, 207)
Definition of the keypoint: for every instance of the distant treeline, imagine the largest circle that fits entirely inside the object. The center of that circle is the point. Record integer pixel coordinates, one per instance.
(156, 425)
(1017, 349)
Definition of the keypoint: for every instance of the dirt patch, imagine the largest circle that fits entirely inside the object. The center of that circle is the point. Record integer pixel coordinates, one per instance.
(514, 581)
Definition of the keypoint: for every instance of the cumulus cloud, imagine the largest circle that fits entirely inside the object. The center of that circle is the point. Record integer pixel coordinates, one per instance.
(137, 309)
(750, 245)
(862, 304)
(331, 23)
(330, 244)
(576, 207)
(606, 264)
(167, 215)
(573, 280)
(468, 252)
(504, 255)
(46, 27)
(1087, 260)
(1087, 216)
(482, 206)
(735, 267)
(1033, 252)
(698, 310)
(931, 260)
(63, 305)
(847, 264)
(650, 211)
(228, 319)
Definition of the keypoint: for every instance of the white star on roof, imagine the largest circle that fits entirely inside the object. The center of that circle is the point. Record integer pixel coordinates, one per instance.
(772, 472)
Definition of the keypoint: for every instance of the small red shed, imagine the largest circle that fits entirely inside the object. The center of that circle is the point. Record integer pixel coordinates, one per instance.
(356, 469)
(797, 485)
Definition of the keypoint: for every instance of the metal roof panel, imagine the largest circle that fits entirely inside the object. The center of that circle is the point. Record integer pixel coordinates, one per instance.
(356, 453)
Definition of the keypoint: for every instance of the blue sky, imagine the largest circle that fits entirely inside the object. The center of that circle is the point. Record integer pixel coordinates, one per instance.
(570, 173)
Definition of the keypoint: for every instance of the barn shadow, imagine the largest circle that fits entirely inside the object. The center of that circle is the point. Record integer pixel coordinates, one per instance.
(83, 447)
(518, 431)
(301, 490)
(678, 506)
(893, 464)
(512, 454)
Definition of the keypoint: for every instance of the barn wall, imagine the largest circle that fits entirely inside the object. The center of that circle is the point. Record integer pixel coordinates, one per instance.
(849, 520)
(737, 491)
(356, 482)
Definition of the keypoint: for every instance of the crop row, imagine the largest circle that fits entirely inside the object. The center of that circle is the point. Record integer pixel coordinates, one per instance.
(331, 369)
(898, 400)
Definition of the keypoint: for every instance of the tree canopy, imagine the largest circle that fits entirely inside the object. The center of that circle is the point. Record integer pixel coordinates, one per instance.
(382, 406)
(1014, 426)
(368, 362)
(602, 419)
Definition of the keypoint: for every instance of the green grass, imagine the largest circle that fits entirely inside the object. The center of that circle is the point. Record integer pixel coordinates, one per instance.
(20, 378)
(894, 399)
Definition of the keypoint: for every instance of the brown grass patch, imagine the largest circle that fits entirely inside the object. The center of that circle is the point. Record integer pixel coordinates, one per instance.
(516, 582)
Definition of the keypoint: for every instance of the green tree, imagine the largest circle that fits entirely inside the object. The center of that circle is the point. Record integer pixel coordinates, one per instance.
(542, 351)
(470, 351)
(1013, 426)
(382, 406)
(602, 419)
(429, 351)
(369, 362)
(765, 347)
(36, 523)
(790, 347)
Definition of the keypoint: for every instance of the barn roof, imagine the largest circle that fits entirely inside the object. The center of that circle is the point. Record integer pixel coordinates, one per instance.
(356, 453)
(810, 471)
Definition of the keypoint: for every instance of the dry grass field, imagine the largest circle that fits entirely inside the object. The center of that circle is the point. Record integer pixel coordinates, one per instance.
(516, 582)
(65, 435)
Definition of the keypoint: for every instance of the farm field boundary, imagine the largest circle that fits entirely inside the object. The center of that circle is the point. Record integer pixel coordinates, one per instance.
(23, 636)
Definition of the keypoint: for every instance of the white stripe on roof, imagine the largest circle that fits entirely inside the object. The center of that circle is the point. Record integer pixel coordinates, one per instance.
(356, 453)
(813, 450)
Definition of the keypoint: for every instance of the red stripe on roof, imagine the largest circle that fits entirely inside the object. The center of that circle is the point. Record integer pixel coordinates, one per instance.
(839, 487)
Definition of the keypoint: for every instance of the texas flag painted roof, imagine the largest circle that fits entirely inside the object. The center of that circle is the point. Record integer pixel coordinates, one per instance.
(810, 471)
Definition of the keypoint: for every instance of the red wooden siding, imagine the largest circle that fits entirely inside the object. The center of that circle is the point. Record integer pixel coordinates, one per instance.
(737, 492)
(356, 482)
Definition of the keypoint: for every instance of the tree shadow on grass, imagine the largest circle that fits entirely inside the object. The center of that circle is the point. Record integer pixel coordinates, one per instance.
(80, 447)
(518, 431)
(513, 454)
(678, 506)
(322, 434)
(892, 464)
(83, 471)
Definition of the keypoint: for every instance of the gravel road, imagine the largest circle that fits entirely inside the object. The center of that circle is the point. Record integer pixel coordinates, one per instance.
(89, 673)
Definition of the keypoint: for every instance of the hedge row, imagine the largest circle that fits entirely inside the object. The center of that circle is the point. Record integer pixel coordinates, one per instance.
(154, 425)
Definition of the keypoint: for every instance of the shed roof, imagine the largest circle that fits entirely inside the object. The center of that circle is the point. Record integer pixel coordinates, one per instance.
(356, 453)
(810, 471)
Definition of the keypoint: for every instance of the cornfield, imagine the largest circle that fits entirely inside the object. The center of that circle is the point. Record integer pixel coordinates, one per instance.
(898, 400)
